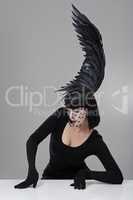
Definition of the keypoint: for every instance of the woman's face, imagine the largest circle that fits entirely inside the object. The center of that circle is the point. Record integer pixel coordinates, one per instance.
(77, 115)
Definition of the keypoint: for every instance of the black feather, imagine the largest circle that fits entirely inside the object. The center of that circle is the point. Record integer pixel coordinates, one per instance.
(92, 70)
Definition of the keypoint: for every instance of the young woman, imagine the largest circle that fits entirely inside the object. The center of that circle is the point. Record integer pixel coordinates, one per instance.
(73, 134)
(73, 138)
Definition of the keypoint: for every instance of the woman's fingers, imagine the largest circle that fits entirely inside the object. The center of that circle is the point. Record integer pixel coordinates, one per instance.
(72, 184)
(23, 184)
(29, 181)
(79, 184)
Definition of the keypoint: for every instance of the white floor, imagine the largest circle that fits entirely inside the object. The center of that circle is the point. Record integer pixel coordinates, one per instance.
(61, 189)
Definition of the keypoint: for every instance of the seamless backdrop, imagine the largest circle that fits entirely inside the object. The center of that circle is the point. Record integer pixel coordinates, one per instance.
(39, 51)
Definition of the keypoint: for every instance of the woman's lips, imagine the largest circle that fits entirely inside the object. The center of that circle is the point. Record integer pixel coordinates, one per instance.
(73, 120)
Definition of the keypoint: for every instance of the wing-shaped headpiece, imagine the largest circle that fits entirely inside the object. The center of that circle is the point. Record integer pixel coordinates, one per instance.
(91, 74)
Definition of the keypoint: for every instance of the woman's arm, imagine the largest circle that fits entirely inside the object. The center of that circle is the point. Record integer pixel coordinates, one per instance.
(39, 135)
(31, 148)
(113, 173)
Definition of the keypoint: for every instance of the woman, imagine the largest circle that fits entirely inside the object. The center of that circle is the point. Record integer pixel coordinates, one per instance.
(73, 134)
(73, 139)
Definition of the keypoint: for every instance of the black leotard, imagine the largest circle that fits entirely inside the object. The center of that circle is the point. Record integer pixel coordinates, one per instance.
(65, 160)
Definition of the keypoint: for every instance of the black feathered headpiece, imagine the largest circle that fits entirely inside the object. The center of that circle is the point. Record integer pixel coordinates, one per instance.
(91, 74)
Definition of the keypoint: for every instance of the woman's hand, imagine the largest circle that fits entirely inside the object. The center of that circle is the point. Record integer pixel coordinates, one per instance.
(32, 178)
(80, 177)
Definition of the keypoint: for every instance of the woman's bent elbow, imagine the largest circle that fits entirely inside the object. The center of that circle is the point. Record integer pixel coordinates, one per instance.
(117, 177)
(120, 178)
(31, 141)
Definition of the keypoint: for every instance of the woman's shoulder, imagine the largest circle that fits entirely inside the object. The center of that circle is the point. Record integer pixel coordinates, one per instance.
(99, 142)
(97, 135)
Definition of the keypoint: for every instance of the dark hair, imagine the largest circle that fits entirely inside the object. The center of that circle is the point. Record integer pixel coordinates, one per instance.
(88, 102)
(93, 117)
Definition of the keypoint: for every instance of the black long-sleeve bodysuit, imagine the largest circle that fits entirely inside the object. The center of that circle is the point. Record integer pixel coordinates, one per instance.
(65, 160)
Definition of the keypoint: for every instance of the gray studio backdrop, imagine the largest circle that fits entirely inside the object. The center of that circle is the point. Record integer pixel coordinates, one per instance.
(39, 52)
